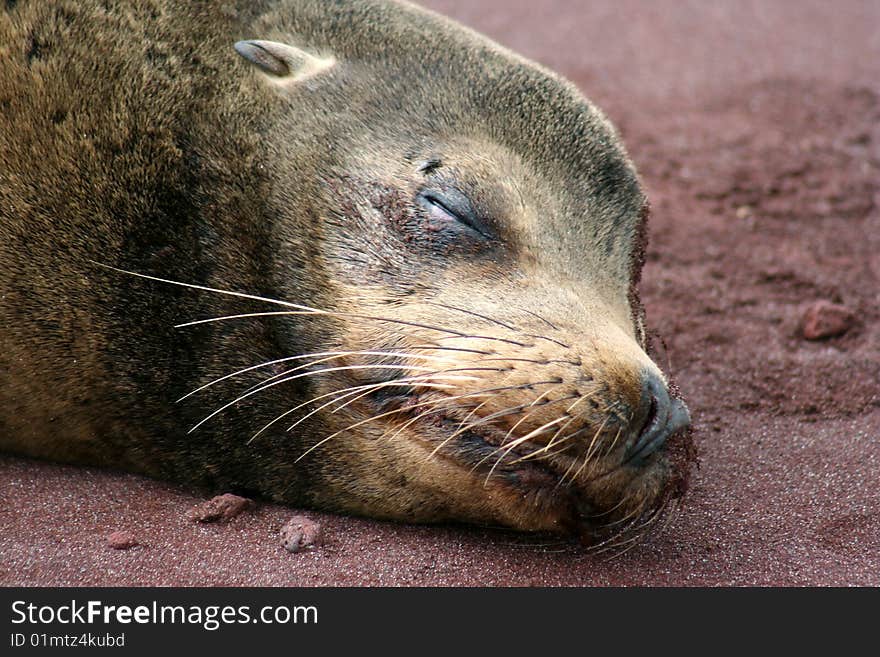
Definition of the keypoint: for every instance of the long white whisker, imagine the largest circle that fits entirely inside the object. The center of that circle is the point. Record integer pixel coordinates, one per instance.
(555, 439)
(590, 450)
(589, 454)
(333, 355)
(364, 394)
(309, 310)
(305, 310)
(347, 392)
(369, 388)
(434, 403)
(240, 295)
(614, 442)
(299, 376)
(516, 442)
(209, 320)
(300, 357)
(478, 407)
(637, 537)
(436, 408)
(529, 413)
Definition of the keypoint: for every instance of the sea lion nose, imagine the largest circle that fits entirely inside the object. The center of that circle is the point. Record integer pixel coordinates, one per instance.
(656, 419)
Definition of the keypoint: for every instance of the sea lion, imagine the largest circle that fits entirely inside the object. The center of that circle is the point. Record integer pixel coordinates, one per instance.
(349, 255)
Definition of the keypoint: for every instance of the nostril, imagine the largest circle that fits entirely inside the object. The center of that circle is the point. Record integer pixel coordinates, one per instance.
(650, 416)
(656, 419)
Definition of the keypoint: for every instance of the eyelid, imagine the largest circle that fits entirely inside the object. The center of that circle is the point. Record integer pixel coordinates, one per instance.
(434, 200)
(462, 211)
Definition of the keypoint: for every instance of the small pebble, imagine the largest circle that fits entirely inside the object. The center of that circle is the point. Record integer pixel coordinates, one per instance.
(121, 540)
(222, 508)
(824, 319)
(301, 533)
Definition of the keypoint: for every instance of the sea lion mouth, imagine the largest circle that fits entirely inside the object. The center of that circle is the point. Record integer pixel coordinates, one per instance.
(487, 452)
(545, 479)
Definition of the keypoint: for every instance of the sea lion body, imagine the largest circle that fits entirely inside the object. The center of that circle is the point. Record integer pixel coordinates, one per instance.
(429, 245)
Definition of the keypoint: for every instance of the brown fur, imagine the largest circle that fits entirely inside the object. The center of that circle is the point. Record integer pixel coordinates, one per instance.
(133, 136)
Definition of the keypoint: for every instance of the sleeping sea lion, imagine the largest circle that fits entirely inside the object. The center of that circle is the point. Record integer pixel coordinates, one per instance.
(348, 255)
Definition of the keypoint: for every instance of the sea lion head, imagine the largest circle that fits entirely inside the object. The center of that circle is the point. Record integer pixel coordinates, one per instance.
(474, 232)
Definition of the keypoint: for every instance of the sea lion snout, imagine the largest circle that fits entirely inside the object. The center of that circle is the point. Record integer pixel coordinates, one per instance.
(658, 417)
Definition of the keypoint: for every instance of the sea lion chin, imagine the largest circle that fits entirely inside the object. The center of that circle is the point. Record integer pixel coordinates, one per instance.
(346, 255)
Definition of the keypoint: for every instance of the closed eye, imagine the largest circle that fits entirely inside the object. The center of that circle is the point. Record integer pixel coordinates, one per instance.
(452, 206)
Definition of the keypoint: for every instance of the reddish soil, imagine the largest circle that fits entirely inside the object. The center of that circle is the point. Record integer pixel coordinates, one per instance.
(756, 127)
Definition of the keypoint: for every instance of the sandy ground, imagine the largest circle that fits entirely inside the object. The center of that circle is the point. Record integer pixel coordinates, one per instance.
(756, 127)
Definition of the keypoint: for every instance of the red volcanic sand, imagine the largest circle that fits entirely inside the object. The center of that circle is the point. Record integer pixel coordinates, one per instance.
(756, 127)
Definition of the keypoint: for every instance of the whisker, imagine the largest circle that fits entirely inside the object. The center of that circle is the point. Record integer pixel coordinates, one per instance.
(299, 307)
(477, 407)
(435, 408)
(565, 474)
(630, 542)
(429, 402)
(544, 337)
(492, 416)
(590, 449)
(438, 347)
(537, 316)
(432, 402)
(669, 515)
(400, 429)
(635, 515)
(543, 453)
(346, 392)
(452, 334)
(532, 360)
(467, 417)
(611, 510)
(547, 451)
(326, 439)
(486, 337)
(333, 354)
(503, 413)
(613, 442)
(582, 399)
(613, 468)
(555, 438)
(520, 441)
(306, 311)
(641, 531)
(589, 453)
(478, 369)
(223, 318)
(446, 440)
(305, 374)
(342, 354)
(240, 295)
(471, 312)
(528, 413)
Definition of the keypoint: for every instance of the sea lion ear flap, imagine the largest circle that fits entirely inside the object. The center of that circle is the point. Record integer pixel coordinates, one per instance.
(281, 62)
